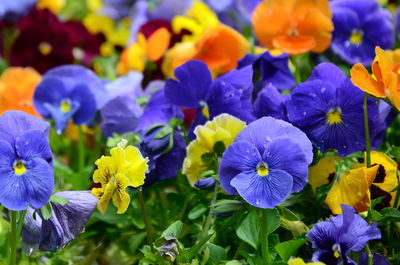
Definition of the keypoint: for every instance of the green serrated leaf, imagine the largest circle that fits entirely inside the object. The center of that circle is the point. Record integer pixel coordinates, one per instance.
(289, 248)
(59, 200)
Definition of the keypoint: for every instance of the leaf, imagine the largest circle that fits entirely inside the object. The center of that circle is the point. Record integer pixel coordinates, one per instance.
(163, 132)
(135, 241)
(46, 211)
(289, 248)
(197, 211)
(89, 259)
(194, 250)
(249, 229)
(287, 214)
(217, 254)
(59, 200)
(274, 220)
(173, 231)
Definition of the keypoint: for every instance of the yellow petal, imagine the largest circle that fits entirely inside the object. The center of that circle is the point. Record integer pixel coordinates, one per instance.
(104, 201)
(105, 170)
(320, 173)
(157, 44)
(299, 261)
(121, 199)
(138, 166)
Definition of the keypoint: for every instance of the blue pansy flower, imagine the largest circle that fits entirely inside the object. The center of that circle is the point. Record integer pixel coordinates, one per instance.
(69, 92)
(66, 222)
(359, 27)
(270, 102)
(164, 160)
(26, 168)
(272, 69)
(329, 109)
(194, 88)
(12, 10)
(343, 233)
(267, 161)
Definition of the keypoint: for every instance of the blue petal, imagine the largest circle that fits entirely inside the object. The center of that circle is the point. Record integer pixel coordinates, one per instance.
(323, 235)
(192, 87)
(241, 156)
(31, 230)
(49, 91)
(14, 123)
(129, 84)
(205, 183)
(82, 95)
(239, 78)
(263, 192)
(275, 70)
(283, 154)
(33, 144)
(325, 256)
(328, 72)
(270, 102)
(264, 130)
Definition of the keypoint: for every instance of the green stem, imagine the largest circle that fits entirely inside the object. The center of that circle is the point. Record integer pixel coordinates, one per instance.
(81, 151)
(208, 221)
(264, 236)
(297, 74)
(21, 222)
(13, 254)
(146, 220)
(370, 257)
(367, 141)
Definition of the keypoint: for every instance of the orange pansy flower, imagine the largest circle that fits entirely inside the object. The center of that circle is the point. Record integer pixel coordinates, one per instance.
(384, 82)
(17, 85)
(220, 48)
(136, 56)
(293, 26)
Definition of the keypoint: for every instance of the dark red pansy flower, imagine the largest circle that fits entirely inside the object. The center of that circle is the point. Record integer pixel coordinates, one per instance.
(45, 42)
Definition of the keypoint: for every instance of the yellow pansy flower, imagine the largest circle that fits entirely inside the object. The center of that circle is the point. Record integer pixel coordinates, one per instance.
(299, 261)
(223, 128)
(125, 167)
(54, 6)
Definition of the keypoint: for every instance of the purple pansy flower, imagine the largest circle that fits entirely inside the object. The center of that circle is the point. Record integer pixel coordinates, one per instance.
(359, 27)
(267, 161)
(66, 222)
(272, 69)
(69, 91)
(270, 102)
(230, 93)
(26, 168)
(329, 109)
(340, 235)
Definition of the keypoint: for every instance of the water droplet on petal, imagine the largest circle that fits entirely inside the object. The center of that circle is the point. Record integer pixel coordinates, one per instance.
(304, 113)
(323, 89)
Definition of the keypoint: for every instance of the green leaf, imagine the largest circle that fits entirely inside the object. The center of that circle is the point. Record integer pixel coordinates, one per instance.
(289, 248)
(217, 254)
(219, 147)
(163, 132)
(173, 231)
(287, 214)
(197, 211)
(207, 173)
(142, 100)
(249, 229)
(194, 250)
(174, 122)
(59, 200)
(274, 220)
(135, 241)
(46, 211)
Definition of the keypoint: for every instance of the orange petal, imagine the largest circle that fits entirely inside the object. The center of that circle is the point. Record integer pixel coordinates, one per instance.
(377, 71)
(157, 44)
(362, 79)
(294, 45)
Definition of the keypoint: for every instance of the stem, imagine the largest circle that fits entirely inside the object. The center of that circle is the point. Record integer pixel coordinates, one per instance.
(208, 221)
(21, 222)
(367, 141)
(370, 257)
(297, 70)
(81, 152)
(264, 236)
(146, 220)
(13, 254)
(240, 247)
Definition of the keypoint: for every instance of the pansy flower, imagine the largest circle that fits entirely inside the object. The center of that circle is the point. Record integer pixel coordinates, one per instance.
(293, 26)
(11, 10)
(26, 161)
(329, 108)
(385, 79)
(61, 43)
(267, 161)
(194, 88)
(69, 92)
(125, 167)
(16, 89)
(273, 69)
(359, 27)
(223, 128)
(66, 222)
(270, 102)
(335, 238)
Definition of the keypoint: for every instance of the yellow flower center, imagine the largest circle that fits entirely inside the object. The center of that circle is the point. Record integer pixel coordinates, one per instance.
(65, 105)
(356, 37)
(19, 167)
(45, 48)
(206, 112)
(334, 116)
(262, 169)
(335, 249)
(336, 254)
